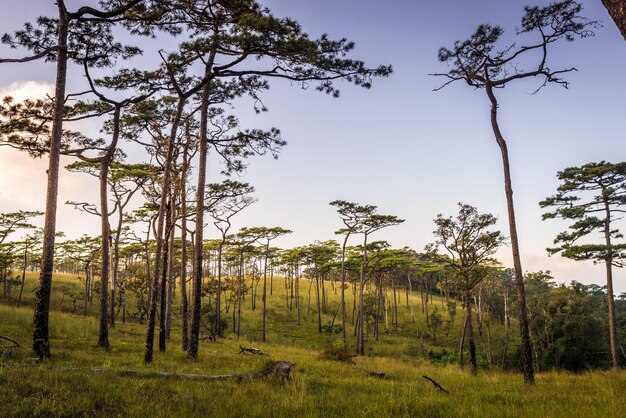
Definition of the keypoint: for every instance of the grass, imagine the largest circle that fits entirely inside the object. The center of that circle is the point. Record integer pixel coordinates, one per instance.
(66, 385)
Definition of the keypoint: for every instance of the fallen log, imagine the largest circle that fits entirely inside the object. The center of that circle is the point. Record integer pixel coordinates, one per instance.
(250, 350)
(279, 370)
(437, 385)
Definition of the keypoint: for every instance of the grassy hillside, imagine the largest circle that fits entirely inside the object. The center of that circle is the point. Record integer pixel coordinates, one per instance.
(81, 379)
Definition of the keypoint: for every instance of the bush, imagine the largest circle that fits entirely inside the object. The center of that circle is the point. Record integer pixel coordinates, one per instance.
(334, 351)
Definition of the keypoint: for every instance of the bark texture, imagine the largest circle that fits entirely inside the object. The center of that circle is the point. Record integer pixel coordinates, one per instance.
(617, 10)
(525, 350)
(41, 342)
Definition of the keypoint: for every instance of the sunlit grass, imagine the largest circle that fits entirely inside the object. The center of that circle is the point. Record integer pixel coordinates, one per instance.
(82, 379)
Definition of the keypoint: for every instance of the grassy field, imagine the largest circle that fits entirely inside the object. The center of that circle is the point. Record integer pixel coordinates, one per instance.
(83, 380)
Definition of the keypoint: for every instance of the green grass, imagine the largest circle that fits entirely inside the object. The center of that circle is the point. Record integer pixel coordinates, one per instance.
(66, 385)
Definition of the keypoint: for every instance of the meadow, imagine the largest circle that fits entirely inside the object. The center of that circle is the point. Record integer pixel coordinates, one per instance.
(83, 380)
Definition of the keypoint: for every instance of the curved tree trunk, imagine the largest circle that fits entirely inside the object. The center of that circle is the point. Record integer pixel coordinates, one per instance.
(41, 340)
(617, 10)
(525, 352)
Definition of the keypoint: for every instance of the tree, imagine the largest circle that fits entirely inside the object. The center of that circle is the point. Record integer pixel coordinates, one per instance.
(11, 222)
(368, 225)
(124, 180)
(56, 41)
(265, 236)
(244, 41)
(480, 63)
(222, 213)
(468, 244)
(84, 250)
(590, 196)
(617, 10)
(352, 215)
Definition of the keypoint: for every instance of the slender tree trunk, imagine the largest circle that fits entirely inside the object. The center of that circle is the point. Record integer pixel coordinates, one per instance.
(324, 305)
(489, 350)
(267, 249)
(426, 304)
(360, 342)
(103, 335)
(470, 334)
(123, 292)
(19, 299)
(298, 291)
(395, 302)
(170, 268)
(319, 310)
(196, 309)
(218, 301)
(609, 285)
(343, 293)
(158, 258)
(116, 263)
(526, 360)
(379, 302)
(240, 295)
(462, 343)
(87, 285)
(41, 339)
(411, 305)
(163, 273)
(183, 257)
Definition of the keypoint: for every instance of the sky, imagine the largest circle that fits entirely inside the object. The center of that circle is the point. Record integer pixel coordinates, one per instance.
(409, 150)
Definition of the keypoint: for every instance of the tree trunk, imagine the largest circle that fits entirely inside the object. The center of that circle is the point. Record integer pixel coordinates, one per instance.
(19, 299)
(298, 292)
(395, 303)
(470, 332)
(41, 339)
(163, 272)
(103, 334)
(617, 10)
(116, 263)
(170, 269)
(319, 310)
(267, 249)
(239, 296)
(609, 284)
(158, 258)
(343, 293)
(183, 257)
(526, 360)
(87, 286)
(360, 342)
(196, 310)
(218, 301)
(103, 337)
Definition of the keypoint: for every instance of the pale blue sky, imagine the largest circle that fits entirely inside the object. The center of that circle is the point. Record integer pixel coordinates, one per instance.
(413, 152)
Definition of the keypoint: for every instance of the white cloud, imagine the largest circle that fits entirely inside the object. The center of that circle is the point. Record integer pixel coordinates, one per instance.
(30, 89)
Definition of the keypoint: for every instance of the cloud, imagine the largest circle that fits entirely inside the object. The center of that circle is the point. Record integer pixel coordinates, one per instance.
(30, 89)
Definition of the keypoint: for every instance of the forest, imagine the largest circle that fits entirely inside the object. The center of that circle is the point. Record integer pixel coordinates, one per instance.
(175, 307)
